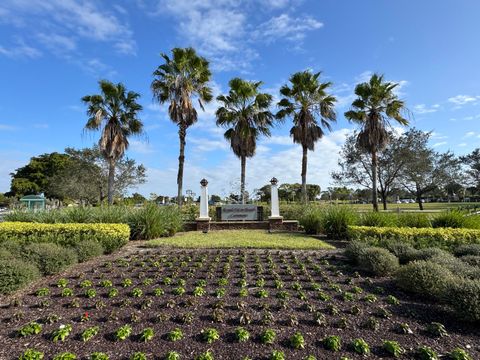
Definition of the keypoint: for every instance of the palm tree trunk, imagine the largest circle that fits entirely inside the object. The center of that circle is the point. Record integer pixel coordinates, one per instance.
(111, 179)
(304, 174)
(182, 133)
(374, 180)
(242, 178)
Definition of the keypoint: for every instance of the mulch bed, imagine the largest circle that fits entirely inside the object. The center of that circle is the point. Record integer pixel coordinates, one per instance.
(166, 312)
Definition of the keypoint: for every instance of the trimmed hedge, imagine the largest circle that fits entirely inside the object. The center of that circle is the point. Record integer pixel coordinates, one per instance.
(111, 236)
(377, 261)
(49, 258)
(445, 238)
(15, 273)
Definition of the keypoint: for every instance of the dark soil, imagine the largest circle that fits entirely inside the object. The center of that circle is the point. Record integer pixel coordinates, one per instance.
(304, 268)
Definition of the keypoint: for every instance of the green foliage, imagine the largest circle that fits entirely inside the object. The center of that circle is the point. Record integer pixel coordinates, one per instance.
(268, 337)
(311, 220)
(450, 219)
(208, 355)
(49, 258)
(378, 261)
(361, 347)
(459, 354)
(32, 328)
(111, 236)
(404, 252)
(172, 355)
(472, 249)
(424, 278)
(15, 273)
(241, 334)
(336, 220)
(175, 335)
(88, 249)
(354, 249)
(414, 220)
(138, 356)
(89, 333)
(464, 296)
(426, 353)
(437, 329)
(62, 333)
(277, 355)
(333, 343)
(123, 332)
(153, 221)
(393, 348)
(444, 238)
(210, 335)
(378, 219)
(297, 341)
(65, 356)
(31, 354)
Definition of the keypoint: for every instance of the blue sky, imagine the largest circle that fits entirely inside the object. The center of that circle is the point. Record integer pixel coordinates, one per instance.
(53, 52)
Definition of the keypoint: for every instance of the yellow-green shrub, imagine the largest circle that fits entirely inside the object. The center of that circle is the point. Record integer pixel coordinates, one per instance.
(111, 236)
(445, 238)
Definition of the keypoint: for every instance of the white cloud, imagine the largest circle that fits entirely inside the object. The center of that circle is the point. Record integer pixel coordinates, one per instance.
(462, 145)
(6, 127)
(57, 43)
(469, 134)
(461, 100)
(286, 27)
(424, 109)
(20, 50)
(441, 143)
(141, 147)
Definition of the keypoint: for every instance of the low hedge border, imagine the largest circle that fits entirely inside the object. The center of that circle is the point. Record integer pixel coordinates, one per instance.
(111, 236)
(445, 238)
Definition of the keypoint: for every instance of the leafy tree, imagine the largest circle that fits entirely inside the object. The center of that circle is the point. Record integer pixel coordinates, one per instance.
(375, 106)
(355, 164)
(177, 81)
(215, 198)
(427, 170)
(312, 109)
(34, 177)
(472, 163)
(246, 115)
(115, 113)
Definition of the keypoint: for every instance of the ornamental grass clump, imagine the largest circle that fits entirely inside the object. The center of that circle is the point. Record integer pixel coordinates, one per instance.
(335, 221)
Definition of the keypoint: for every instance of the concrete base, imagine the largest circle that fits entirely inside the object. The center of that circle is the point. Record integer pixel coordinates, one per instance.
(272, 224)
(203, 224)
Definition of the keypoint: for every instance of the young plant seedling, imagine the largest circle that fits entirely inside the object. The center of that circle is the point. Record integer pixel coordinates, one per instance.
(62, 333)
(65, 356)
(241, 334)
(393, 348)
(32, 328)
(123, 332)
(361, 347)
(297, 341)
(175, 335)
(459, 354)
(427, 353)
(89, 333)
(268, 337)
(333, 343)
(172, 355)
(210, 335)
(277, 355)
(31, 354)
(147, 335)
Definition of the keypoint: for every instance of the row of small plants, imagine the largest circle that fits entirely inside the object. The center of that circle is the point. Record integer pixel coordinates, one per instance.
(433, 273)
(244, 289)
(334, 221)
(148, 222)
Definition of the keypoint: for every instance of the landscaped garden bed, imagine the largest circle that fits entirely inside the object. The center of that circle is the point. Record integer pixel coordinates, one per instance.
(231, 304)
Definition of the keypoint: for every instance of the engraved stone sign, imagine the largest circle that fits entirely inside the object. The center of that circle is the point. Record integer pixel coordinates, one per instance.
(234, 212)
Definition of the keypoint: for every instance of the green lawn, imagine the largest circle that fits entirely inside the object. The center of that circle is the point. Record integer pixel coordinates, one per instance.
(241, 239)
(429, 207)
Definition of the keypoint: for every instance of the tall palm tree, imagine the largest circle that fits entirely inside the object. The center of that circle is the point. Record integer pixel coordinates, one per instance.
(246, 115)
(375, 105)
(181, 78)
(312, 109)
(115, 113)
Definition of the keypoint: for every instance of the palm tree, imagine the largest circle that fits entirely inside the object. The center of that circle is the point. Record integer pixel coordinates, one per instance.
(115, 113)
(178, 81)
(375, 105)
(246, 115)
(312, 109)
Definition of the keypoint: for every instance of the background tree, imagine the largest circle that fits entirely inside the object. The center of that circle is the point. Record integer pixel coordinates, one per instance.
(472, 163)
(355, 164)
(115, 113)
(34, 178)
(375, 106)
(181, 78)
(246, 115)
(427, 170)
(312, 109)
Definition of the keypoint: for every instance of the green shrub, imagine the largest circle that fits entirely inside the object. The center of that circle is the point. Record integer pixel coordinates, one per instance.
(335, 221)
(375, 218)
(464, 296)
(311, 220)
(456, 266)
(414, 220)
(354, 249)
(13, 247)
(153, 221)
(445, 238)
(15, 273)
(111, 236)
(49, 258)
(450, 219)
(427, 254)
(472, 260)
(404, 252)
(5, 254)
(87, 249)
(424, 278)
(378, 261)
(472, 249)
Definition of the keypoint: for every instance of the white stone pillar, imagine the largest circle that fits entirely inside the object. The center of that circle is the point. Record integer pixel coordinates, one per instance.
(274, 205)
(204, 201)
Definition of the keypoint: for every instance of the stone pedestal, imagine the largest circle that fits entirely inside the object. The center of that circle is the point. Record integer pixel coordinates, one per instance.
(203, 221)
(275, 222)
(203, 224)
